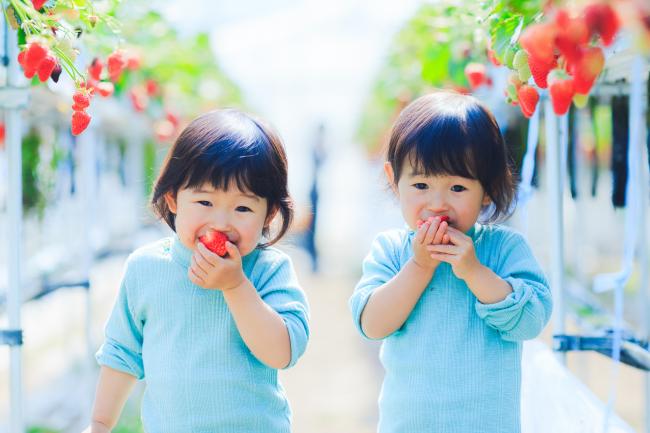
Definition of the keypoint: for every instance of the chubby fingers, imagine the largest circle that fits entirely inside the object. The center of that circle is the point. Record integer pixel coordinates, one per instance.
(440, 233)
(196, 279)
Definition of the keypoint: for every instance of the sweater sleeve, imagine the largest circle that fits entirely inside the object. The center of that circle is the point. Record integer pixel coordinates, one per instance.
(523, 313)
(122, 348)
(380, 266)
(279, 288)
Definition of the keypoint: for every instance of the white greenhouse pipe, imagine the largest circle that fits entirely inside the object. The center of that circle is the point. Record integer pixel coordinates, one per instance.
(556, 211)
(14, 236)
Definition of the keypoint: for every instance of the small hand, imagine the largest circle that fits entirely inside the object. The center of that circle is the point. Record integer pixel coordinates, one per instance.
(460, 253)
(210, 271)
(432, 231)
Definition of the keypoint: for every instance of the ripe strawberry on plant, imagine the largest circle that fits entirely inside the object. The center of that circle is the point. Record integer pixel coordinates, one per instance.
(572, 34)
(561, 89)
(116, 64)
(528, 98)
(215, 241)
(139, 99)
(601, 19)
(587, 68)
(81, 98)
(105, 88)
(35, 54)
(80, 121)
(539, 69)
(38, 4)
(539, 41)
(46, 67)
(476, 74)
(95, 69)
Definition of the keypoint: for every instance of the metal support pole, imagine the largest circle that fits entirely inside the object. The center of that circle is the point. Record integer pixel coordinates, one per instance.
(555, 207)
(14, 236)
(638, 137)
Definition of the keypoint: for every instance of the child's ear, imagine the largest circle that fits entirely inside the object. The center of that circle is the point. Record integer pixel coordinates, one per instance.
(390, 175)
(272, 213)
(486, 199)
(171, 201)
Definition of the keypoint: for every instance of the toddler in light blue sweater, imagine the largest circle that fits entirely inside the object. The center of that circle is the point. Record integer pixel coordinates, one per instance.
(452, 298)
(207, 331)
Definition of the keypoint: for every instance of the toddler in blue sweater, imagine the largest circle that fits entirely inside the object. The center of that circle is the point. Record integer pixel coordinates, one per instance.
(207, 331)
(452, 298)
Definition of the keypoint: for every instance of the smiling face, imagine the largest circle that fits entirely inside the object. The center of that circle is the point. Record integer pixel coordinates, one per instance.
(422, 196)
(240, 215)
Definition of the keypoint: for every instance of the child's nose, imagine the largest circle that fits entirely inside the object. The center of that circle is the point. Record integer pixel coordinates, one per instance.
(220, 221)
(436, 202)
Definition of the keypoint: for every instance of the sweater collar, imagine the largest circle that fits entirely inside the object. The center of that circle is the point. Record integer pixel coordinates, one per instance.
(180, 253)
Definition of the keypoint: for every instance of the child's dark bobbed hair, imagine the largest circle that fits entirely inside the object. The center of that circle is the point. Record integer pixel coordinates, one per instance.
(447, 133)
(227, 148)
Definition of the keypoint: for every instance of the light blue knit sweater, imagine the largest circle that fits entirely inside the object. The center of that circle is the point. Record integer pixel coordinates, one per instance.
(182, 340)
(455, 364)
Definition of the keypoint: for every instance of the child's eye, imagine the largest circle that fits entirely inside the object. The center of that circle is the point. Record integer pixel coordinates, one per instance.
(420, 185)
(204, 203)
(243, 209)
(458, 188)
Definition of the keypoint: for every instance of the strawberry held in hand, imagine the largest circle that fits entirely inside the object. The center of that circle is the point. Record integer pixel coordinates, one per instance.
(443, 218)
(215, 241)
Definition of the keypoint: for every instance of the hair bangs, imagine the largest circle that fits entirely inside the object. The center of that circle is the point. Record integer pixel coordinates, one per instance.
(442, 147)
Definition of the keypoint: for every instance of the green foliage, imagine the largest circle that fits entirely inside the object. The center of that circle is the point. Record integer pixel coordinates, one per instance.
(431, 51)
(150, 166)
(41, 429)
(433, 48)
(33, 196)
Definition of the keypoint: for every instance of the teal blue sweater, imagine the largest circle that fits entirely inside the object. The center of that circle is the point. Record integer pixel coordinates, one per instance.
(181, 339)
(455, 364)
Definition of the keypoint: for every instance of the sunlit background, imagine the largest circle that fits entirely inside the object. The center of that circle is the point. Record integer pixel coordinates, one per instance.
(330, 77)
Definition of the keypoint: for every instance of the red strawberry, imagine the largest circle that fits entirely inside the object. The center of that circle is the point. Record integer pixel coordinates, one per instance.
(80, 121)
(77, 107)
(476, 74)
(46, 67)
(443, 218)
(95, 69)
(215, 241)
(34, 55)
(133, 62)
(492, 57)
(105, 88)
(56, 73)
(81, 99)
(172, 118)
(561, 89)
(539, 41)
(572, 34)
(21, 58)
(528, 98)
(139, 98)
(152, 87)
(540, 69)
(38, 4)
(116, 64)
(587, 68)
(602, 19)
